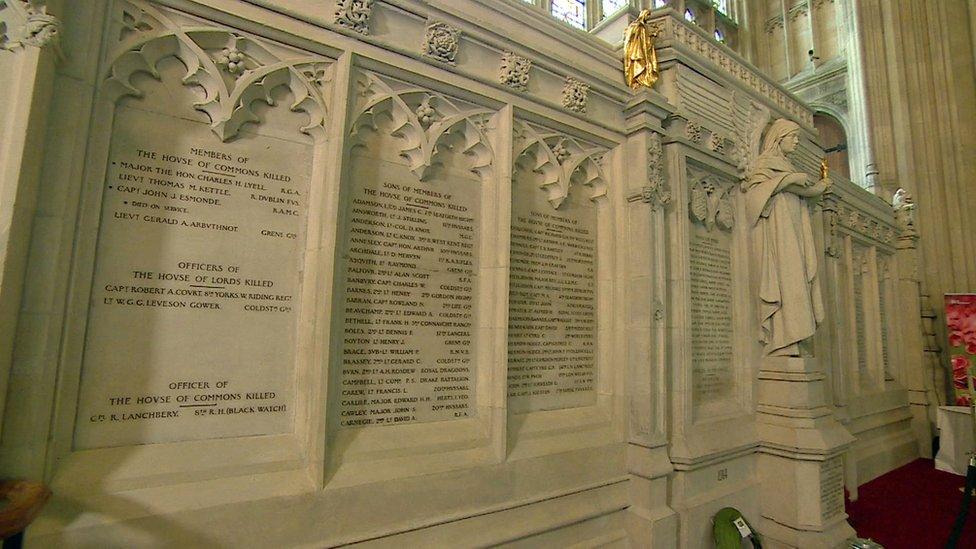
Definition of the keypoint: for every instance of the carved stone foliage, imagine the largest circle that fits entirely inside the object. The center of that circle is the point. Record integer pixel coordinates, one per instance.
(561, 160)
(671, 29)
(24, 24)
(657, 193)
(514, 71)
(710, 200)
(575, 94)
(441, 42)
(354, 14)
(233, 70)
(427, 124)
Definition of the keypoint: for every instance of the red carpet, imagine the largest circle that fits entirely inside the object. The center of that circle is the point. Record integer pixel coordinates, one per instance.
(913, 507)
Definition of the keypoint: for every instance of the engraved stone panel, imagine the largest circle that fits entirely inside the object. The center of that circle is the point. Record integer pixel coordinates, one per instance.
(711, 314)
(711, 285)
(831, 487)
(552, 300)
(409, 260)
(860, 331)
(883, 313)
(195, 297)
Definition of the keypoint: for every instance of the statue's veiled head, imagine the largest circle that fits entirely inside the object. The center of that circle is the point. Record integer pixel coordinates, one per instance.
(783, 136)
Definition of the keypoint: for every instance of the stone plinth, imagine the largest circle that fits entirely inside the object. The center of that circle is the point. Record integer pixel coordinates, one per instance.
(801, 462)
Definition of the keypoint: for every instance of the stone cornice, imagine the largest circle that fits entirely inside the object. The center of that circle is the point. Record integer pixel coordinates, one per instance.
(674, 32)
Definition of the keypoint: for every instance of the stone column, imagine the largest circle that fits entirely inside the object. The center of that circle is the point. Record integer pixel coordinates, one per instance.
(28, 46)
(650, 522)
(909, 331)
(920, 83)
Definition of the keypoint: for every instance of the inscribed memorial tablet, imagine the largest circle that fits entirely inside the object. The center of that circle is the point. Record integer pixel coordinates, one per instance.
(552, 301)
(194, 304)
(409, 275)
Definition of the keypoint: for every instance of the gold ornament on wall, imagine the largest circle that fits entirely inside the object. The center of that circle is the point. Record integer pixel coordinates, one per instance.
(640, 59)
(824, 170)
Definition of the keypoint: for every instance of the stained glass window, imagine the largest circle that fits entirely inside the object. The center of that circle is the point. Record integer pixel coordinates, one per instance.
(690, 15)
(570, 11)
(722, 6)
(660, 3)
(719, 36)
(611, 7)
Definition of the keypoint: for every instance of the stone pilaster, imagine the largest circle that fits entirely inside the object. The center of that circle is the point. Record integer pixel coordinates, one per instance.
(651, 522)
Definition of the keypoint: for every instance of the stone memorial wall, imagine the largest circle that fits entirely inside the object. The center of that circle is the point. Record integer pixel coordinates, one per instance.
(384, 273)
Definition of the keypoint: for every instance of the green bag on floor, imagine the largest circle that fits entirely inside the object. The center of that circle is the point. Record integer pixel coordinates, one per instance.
(729, 528)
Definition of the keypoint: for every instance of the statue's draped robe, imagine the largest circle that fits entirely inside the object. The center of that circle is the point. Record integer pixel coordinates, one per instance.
(790, 303)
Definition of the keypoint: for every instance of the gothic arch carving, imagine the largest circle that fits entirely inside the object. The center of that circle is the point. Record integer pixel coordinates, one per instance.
(234, 71)
(561, 160)
(424, 121)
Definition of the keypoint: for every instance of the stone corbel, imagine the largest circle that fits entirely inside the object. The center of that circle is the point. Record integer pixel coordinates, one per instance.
(24, 24)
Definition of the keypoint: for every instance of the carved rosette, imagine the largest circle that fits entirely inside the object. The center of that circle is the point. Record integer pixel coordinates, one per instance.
(354, 14)
(427, 124)
(24, 24)
(561, 160)
(710, 203)
(441, 42)
(234, 71)
(575, 94)
(514, 71)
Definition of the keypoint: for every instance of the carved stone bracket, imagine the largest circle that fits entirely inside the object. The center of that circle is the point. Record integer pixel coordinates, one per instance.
(561, 160)
(441, 42)
(575, 94)
(234, 71)
(514, 71)
(426, 123)
(354, 14)
(24, 24)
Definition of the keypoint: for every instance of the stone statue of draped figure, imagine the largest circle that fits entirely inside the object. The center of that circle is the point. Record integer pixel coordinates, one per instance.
(790, 304)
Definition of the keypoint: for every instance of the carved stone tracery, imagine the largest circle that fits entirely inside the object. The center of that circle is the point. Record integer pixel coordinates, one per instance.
(427, 124)
(233, 70)
(561, 160)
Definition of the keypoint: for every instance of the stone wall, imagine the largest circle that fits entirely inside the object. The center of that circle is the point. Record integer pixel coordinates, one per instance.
(408, 272)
